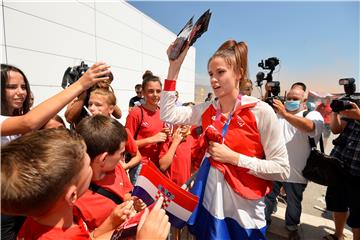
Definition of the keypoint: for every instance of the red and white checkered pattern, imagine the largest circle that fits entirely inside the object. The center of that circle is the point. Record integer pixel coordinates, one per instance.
(167, 200)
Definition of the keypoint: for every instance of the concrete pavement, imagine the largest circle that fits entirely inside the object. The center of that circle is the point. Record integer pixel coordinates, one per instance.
(311, 227)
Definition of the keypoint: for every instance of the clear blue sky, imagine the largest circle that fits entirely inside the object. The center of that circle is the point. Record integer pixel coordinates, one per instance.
(316, 42)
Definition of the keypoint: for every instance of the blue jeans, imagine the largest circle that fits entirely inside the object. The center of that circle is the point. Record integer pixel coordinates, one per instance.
(294, 195)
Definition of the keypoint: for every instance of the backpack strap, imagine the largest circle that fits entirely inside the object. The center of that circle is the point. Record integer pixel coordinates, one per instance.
(139, 126)
(115, 198)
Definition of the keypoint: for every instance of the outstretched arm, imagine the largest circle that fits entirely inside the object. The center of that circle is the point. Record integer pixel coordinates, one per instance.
(42, 113)
(301, 123)
(168, 111)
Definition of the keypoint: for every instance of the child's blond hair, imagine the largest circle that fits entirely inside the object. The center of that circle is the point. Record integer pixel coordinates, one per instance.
(110, 96)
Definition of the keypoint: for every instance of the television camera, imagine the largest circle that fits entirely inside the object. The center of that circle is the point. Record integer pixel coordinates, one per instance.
(272, 86)
(343, 103)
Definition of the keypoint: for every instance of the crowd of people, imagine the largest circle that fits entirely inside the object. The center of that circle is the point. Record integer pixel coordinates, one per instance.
(77, 183)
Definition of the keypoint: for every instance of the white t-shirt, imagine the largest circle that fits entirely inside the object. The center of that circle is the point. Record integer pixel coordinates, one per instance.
(9, 138)
(297, 144)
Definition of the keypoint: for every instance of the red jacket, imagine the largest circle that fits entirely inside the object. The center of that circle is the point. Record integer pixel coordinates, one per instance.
(243, 137)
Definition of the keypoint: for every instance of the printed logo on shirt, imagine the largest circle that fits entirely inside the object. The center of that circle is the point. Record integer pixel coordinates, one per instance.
(240, 121)
(145, 124)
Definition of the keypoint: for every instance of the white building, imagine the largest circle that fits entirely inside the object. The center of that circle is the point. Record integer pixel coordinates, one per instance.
(44, 38)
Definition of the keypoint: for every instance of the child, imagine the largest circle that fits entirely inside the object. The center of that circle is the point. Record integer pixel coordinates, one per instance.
(105, 139)
(75, 111)
(103, 101)
(43, 174)
(145, 125)
(175, 155)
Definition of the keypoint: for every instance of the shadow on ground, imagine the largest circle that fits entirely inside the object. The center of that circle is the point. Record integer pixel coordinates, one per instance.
(277, 230)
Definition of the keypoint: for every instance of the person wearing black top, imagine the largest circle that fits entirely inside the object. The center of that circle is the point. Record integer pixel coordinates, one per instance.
(138, 99)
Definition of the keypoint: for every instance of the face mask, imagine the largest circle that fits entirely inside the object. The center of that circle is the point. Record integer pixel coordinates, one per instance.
(292, 105)
(310, 106)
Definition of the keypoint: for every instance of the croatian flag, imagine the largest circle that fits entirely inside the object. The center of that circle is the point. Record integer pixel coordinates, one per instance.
(222, 213)
(178, 203)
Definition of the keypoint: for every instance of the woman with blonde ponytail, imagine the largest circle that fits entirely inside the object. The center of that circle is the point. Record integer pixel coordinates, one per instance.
(237, 172)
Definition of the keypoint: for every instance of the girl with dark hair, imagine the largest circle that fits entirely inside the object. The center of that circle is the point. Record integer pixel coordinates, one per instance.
(15, 91)
(233, 181)
(145, 125)
(15, 116)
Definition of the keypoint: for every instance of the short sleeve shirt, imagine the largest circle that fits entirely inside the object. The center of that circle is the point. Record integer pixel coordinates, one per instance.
(31, 229)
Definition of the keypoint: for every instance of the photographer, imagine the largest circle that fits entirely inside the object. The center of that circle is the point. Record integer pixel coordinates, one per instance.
(345, 197)
(297, 125)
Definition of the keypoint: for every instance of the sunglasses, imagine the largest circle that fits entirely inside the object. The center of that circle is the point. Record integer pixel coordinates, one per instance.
(138, 92)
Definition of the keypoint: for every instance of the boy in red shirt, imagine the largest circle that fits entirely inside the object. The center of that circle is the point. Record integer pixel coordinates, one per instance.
(105, 138)
(103, 102)
(43, 173)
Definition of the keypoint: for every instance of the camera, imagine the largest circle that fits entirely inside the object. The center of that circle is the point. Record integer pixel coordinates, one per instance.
(275, 90)
(343, 103)
(267, 64)
(72, 74)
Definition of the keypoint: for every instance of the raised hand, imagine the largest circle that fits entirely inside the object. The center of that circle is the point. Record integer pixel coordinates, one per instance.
(175, 65)
(353, 113)
(121, 212)
(279, 107)
(159, 137)
(96, 73)
(178, 135)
